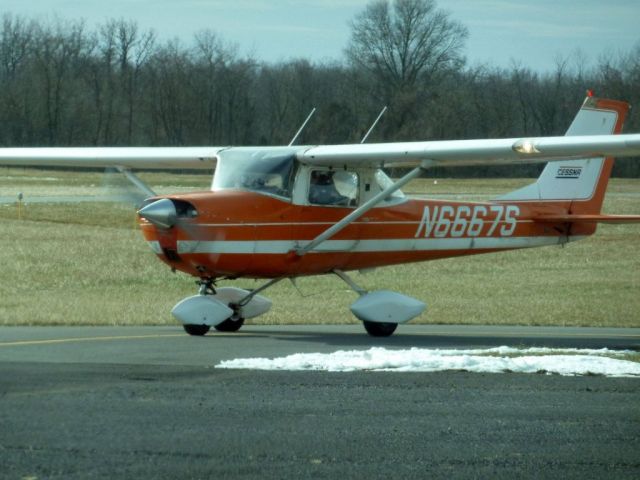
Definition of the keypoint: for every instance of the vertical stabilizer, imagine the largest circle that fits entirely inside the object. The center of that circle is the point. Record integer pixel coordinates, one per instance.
(581, 182)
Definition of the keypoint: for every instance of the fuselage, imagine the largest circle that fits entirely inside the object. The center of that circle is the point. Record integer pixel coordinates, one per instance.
(239, 233)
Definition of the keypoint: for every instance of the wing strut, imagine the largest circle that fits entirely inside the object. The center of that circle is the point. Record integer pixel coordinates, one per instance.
(362, 209)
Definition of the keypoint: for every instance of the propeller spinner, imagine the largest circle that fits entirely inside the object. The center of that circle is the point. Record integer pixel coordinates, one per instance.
(162, 213)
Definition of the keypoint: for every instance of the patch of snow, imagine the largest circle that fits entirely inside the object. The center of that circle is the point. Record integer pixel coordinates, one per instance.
(568, 361)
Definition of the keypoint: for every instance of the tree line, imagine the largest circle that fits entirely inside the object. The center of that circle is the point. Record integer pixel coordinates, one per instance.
(63, 84)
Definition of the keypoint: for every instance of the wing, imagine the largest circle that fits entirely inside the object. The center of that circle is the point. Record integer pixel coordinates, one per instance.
(128, 157)
(434, 153)
(473, 152)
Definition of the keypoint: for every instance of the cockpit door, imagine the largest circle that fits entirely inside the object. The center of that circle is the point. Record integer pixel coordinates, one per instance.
(325, 197)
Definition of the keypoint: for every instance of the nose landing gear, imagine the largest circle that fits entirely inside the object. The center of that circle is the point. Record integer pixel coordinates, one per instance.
(224, 308)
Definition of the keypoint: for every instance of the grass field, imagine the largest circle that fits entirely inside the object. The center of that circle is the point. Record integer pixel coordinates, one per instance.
(86, 263)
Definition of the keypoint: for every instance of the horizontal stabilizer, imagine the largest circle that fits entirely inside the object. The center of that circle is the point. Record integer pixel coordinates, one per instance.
(568, 218)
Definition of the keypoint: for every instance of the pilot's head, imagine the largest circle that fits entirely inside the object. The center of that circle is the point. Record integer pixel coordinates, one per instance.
(322, 178)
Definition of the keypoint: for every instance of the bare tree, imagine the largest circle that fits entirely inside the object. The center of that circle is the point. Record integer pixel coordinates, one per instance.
(134, 50)
(212, 57)
(401, 42)
(16, 37)
(59, 50)
(408, 46)
(170, 89)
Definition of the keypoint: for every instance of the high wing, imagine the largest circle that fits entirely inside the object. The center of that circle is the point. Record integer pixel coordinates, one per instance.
(127, 157)
(473, 152)
(426, 154)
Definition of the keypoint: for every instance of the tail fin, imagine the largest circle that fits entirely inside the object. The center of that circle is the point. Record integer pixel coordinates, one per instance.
(581, 183)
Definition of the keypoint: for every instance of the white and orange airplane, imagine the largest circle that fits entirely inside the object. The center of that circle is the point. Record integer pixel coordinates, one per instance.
(284, 212)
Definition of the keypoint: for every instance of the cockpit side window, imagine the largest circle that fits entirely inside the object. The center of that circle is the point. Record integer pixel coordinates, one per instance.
(335, 188)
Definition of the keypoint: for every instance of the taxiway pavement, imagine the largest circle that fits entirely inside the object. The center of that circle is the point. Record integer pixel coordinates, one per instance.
(102, 402)
(171, 346)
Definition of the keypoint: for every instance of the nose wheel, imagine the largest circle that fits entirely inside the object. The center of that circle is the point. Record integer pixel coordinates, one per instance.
(224, 309)
(196, 330)
(230, 325)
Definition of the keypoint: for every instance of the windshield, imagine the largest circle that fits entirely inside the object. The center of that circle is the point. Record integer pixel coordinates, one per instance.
(269, 170)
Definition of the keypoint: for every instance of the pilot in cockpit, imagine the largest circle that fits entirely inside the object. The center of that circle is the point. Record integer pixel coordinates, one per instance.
(322, 189)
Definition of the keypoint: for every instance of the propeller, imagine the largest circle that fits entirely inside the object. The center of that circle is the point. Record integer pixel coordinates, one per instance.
(118, 185)
(121, 185)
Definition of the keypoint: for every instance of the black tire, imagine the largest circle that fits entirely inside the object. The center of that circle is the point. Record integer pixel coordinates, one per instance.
(230, 325)
(376, 329)
(196, 330)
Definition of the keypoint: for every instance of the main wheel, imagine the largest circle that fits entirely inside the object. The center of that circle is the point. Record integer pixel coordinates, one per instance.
(197, 330)
(230, 325)
(376, 329)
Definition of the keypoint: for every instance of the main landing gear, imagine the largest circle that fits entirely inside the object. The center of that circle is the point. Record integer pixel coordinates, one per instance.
(381, 311)
(376, 329)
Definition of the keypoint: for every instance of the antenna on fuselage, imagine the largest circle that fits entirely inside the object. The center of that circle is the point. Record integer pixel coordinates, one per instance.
(304, 124)
(375, 122)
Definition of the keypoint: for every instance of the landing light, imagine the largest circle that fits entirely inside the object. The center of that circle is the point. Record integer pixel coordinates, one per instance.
(525, 146)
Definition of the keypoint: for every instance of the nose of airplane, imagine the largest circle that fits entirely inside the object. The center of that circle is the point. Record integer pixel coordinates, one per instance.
(162, 213)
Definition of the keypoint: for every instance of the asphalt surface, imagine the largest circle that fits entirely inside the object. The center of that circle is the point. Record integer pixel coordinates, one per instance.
(148, 403)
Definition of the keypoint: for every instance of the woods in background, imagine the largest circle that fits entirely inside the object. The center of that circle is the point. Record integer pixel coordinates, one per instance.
(62, 84)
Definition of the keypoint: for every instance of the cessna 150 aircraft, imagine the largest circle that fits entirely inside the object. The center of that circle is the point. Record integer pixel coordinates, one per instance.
(283, 212)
